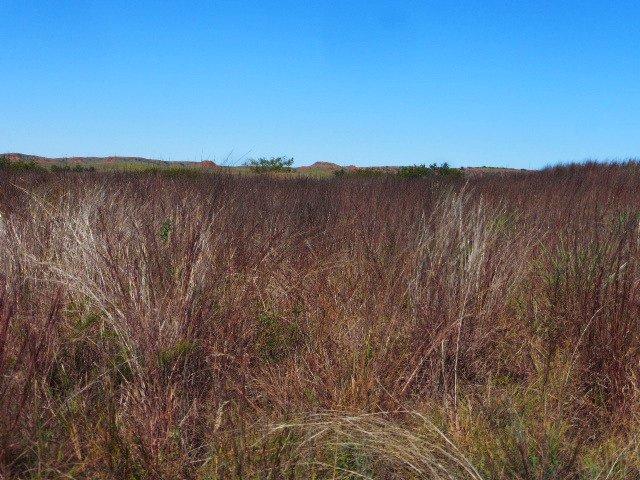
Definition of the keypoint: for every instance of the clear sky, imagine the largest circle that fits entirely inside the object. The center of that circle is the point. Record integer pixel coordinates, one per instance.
(520, 84)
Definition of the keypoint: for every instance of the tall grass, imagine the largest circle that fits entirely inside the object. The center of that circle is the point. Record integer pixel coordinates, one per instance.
(250, 327)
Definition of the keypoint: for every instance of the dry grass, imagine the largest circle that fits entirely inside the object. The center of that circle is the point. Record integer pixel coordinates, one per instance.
(251, 327)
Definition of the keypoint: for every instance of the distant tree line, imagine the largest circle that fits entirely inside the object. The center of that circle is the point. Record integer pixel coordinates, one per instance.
(413, 171)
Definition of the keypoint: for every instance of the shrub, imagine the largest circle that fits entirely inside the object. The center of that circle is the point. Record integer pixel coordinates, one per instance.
(417, 171)
(21, 166)
(273, 164)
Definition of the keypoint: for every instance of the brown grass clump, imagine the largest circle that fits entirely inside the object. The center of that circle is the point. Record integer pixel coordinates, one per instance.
(255, 327)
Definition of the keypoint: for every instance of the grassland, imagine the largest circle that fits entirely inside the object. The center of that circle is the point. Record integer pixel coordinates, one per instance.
(254, 327)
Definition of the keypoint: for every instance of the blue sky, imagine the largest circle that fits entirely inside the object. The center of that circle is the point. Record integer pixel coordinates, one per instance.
(521, 84)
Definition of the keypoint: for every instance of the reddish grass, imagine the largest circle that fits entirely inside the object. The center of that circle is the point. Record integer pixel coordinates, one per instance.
(215, 326)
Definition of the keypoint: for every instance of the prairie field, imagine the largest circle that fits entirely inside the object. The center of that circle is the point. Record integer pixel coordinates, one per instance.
(218, 326)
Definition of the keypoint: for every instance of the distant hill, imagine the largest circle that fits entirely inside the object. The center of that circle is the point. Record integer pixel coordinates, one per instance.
(322, 169)
(105, 162)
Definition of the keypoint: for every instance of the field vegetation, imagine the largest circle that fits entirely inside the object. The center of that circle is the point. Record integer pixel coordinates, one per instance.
(270, 165)
(218, 326)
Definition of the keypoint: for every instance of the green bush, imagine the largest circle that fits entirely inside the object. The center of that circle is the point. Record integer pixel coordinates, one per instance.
(20, 165)
(273, 164)
(417, 171)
